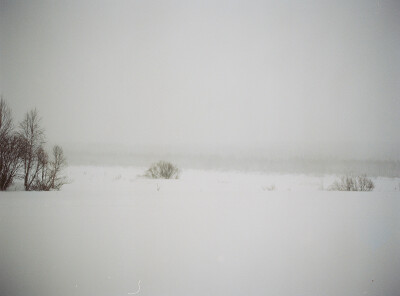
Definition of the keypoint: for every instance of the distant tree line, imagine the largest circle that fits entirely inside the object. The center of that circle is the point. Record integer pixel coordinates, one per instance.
(23, 156)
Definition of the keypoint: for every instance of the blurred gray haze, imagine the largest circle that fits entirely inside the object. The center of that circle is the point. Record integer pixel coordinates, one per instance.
(270, 79)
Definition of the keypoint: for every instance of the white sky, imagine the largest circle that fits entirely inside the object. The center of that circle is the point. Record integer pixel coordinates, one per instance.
(317, 77)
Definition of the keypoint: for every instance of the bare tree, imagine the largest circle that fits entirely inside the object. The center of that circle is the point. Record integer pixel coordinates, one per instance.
(32, 136)
(10, 148)
(10, 160)
(24, 151)
(56, 166)
(49, 175)
(41, 182)
(6, 125)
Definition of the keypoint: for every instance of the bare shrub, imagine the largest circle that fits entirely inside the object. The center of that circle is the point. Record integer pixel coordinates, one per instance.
(269, 188)
(346, 183)
(351, 183)
(364, 183)
(162, 170)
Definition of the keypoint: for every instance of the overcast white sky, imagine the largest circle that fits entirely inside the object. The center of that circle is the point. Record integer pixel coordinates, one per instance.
(320, 77)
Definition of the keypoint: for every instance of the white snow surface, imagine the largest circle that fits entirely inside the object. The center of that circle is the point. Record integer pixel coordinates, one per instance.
(207, 233)
(130, 180)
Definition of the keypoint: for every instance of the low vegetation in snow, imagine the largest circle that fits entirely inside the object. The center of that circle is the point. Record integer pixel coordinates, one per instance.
(163, 170)
(353, 183)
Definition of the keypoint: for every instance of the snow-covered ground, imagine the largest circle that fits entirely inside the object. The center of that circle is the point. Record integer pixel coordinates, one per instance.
(207, 233)
(129, 179)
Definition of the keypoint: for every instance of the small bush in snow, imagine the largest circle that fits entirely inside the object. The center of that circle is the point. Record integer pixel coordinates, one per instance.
(162, 170)
(350, 183)
(269, 188)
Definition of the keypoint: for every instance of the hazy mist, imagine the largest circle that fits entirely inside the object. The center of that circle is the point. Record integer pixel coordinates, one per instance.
(297, 78)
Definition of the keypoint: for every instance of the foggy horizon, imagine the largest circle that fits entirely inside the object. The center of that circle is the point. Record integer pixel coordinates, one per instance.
(256, 78)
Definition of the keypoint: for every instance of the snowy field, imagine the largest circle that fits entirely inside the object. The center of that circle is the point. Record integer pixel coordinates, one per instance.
(112, 232)
(130, 180)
